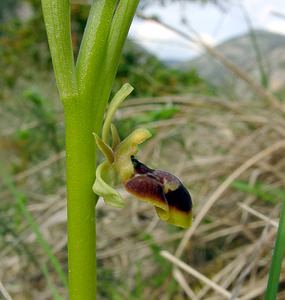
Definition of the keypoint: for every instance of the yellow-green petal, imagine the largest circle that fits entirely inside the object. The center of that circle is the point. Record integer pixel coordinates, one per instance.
(105, 177)
(127, 148)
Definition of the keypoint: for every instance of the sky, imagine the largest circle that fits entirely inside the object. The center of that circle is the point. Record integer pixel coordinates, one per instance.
(213, 25)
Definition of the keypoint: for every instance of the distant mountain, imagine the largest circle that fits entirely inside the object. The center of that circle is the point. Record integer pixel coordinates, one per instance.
(240, 50)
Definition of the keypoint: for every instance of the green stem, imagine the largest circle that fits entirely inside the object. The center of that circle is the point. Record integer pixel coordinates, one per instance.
(84, 93)
(80, 162)
(277, 258)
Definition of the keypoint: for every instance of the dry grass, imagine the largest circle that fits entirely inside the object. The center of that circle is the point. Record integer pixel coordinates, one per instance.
(210, 143)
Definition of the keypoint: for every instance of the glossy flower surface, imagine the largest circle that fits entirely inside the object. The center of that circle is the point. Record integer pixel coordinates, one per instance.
(165, 191)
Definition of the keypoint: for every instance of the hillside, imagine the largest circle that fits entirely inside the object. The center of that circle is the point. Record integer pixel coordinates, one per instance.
(240, 50)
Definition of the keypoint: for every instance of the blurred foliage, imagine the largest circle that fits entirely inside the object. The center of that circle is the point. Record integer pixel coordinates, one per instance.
(21, 203)
(151, 77)
(164, 271)
(163, 113)
(264, 192)
(7, 8)
(26, 60)
(111, 287)
(22, 48)
(24, 53)
(27, 63)
(32, 143)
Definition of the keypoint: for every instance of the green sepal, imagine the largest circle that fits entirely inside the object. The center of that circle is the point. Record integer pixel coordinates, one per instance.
(104, 148)
(115, 137)
(119, 97)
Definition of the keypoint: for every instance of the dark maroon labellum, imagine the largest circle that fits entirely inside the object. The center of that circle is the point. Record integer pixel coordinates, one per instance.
(159, 185)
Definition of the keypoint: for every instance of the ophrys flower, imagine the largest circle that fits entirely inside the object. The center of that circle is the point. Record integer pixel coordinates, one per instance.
(165, 191)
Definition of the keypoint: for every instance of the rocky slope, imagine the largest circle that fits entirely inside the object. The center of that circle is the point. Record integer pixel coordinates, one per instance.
(240, 50)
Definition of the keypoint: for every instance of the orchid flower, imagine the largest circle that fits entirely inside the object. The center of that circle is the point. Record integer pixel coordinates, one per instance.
(163, 190)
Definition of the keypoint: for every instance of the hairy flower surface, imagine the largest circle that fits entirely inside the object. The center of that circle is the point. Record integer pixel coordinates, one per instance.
(165, 191)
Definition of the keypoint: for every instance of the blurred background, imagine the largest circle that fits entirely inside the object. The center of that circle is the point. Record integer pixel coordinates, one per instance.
(209, 80)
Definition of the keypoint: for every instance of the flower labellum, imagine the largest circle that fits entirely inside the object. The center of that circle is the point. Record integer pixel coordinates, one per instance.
(163, 190)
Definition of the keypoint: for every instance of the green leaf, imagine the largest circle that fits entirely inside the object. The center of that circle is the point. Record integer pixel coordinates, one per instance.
(57, 20)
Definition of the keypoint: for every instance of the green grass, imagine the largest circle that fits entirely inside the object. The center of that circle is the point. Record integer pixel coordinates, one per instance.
(20, 201)
(272, 195)
(264, 192)
(277, 258)
(51, 286)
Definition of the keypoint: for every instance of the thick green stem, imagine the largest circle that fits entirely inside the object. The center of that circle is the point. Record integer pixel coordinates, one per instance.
(277, 258)
(80, 162)
(84, 93)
